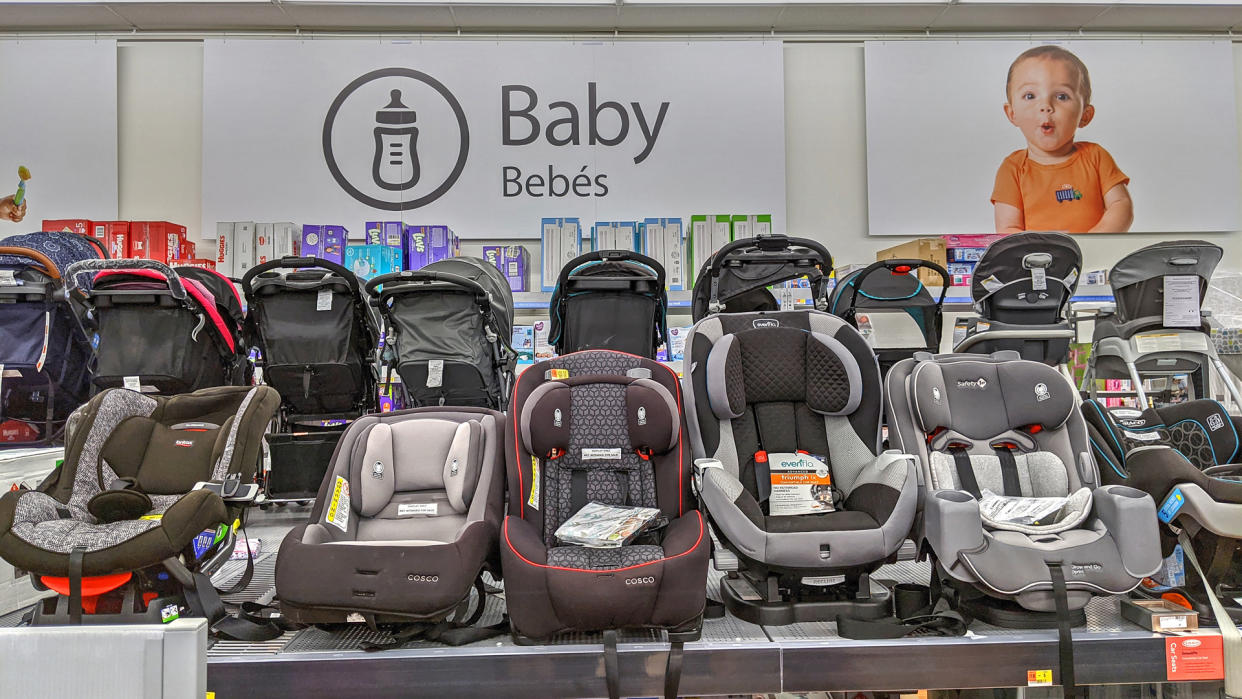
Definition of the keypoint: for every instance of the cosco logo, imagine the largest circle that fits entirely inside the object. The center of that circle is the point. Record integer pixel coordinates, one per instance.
(1192, 643)
(649, 580)
(423, 578)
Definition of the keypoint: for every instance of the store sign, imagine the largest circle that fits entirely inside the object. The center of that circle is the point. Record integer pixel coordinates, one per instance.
(490, 137)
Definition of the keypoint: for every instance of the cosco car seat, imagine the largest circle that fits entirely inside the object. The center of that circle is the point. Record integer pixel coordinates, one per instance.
(120, 529)
(1185, 456)
(405, 522)
(606, 427)
(766, 390)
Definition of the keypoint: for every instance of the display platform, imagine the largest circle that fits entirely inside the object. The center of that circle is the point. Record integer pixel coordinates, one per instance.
(733, 656)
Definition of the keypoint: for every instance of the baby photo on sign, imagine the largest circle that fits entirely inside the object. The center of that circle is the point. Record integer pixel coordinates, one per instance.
(1090, 137)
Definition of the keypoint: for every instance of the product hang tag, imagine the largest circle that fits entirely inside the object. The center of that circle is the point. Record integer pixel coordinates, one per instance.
(435, 373)
(132, 383)
(8, 277)
(533, 500)
(787, 299)
(323, 300)
(601, 454)
(1181, 301)
(1039, 279)
(47, 326)
(338, 508)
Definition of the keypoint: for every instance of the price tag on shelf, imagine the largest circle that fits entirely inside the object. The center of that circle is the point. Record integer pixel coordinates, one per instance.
(1039, 678)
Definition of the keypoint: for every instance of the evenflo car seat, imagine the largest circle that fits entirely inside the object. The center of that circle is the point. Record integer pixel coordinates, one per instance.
(120, 530)
(1185, 456)
(778, 397)
(405, 522)
(605, 427)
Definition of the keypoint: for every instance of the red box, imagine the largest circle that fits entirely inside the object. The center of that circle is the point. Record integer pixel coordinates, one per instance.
(189, 250)
(977, 240)
(80, 226)
(155, 240)
(198, 262)
(115, 237)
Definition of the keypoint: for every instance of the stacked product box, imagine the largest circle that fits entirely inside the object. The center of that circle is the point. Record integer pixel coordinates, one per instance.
(80, 226)
(560, 240)
(369, 261)
(539, 341)
(930, 249)
(326, 242)
(115, 237)
(286, 240)
(244, 252)
(422, 245)
(963, 253)
(708, 233)
(751, 225)
(391, 233)
(524, 342)
(513, 262)
(616, 235)
(156, 240)
(663, 241)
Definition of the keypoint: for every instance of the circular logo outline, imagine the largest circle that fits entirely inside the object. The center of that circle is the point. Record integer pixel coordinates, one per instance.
(330, 121)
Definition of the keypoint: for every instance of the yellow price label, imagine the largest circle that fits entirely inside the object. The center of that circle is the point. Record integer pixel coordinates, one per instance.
(557, 374)
(1039, 678)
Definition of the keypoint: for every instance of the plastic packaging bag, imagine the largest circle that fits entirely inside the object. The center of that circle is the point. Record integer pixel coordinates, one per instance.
(605, 526)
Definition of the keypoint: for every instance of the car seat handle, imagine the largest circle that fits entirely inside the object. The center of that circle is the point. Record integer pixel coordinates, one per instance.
(298, 263)
(42, 260)
(906, 265)
(81, 267)
(610, 256)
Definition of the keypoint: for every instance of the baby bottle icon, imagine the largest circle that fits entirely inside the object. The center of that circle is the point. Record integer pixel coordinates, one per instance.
(395, 166)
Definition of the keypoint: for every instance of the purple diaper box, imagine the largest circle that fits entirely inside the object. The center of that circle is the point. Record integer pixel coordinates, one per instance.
(385, 233)
(325, 242)
(513, 261)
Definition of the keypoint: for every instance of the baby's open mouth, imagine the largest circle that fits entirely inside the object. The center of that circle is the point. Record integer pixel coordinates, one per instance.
(1047, 127)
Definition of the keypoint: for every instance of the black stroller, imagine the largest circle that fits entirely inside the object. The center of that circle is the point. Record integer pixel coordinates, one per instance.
(45, 357)
(736, 278)
(609, 299)
(316, 336)
(894, 311)
(1022, 288)
(161, 330)
(447, 333)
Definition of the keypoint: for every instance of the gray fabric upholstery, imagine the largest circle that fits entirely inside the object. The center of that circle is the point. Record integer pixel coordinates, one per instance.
(984, 398)
(461, 465)
(1040, 474)
(853, 377)
(724, 405)
(224, 466)
(376, 477)
(581, 557)
(35, 521)
(115, 408)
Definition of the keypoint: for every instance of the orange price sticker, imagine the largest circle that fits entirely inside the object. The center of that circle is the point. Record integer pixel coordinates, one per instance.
(1039, 678)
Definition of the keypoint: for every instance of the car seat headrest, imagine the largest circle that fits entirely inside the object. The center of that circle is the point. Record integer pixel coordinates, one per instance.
(981, 399)
(463, 464)
(424, 454)
(652, 416)
(777, 364)
(374, 477)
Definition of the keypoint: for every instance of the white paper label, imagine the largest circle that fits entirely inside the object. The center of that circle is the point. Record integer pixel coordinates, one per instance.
(533, 500)
(1181, 301)
(601, 454)
(323, 300)
(1017, 510)
(801, 484)
(8, 277)
(787, 299)
(1039, 279)
(959, 332)
(1142, 436)
(992, 284)
(1164, 623)
(435, 373)
(1126, 412)
(417, 508)
(1069, 278)
(47, 326)
(338, 507)
(132, 383)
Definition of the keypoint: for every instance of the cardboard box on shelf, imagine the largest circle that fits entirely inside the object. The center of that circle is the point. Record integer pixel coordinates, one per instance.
(976, 240)
(543, 349)
(369, 261)
(326, 242)
(930, 249)
(440, 243)
(516, 267)
(115, 238)
(156, 240)
(81, 226)
(286, 240)
(224, 248)
(415, 247)
(264, 243)
(965, 254)
(560, 239)
(198, 262)
(244, 254)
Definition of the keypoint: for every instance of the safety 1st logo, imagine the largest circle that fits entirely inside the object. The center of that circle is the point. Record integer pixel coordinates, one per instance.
(1066, 192)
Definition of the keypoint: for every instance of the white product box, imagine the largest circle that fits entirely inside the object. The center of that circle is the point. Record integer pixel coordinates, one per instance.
(224, 248)
(244, 253)
(286, 240)
(543, 349)
(264, 243)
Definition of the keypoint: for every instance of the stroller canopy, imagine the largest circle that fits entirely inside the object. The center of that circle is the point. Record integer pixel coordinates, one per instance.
(737, 275)
(228, 301)
(61, 249)
(1011, 258)
(892, 286)
(491, 280)
(609, 299)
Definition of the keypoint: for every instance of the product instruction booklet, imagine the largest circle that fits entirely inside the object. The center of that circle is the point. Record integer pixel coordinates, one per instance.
(605, 526)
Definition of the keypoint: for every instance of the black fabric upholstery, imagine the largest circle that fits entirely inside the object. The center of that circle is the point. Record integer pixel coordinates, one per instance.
(875, 499)
(827, 381)
(841, 520)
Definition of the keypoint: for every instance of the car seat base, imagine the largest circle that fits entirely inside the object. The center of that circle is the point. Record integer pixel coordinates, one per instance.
(54, 611)
(1012, 616)
(686, 633)
(784, 611)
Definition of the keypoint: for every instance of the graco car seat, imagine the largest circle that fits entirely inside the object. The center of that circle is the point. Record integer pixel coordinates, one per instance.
(120, 530)
(405, 522)
(1185, 456)
(770, 388)
(602, 426)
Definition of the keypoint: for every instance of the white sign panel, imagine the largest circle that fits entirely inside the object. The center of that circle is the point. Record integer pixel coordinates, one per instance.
(937, 133)
(59, 120)
(490, 137)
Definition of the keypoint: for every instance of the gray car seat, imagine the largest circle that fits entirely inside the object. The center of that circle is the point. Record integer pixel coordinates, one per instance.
(798, 383)
(406, 520)
(1011, 427)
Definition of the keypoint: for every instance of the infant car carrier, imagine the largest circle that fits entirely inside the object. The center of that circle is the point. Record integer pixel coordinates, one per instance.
(1158, 327)
(169, 331)
(1022, 288)
(736, 278)
(893, 310)
(447, 331)
(317, 336)
(45, 358)
(122, 529)
(610, 299)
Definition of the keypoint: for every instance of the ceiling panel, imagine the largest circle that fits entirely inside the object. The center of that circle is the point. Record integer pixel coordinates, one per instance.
(404, 18)
(527, 18)
(34, 17)
(1187, 18)
(688, 18)
(847, 18)
(1025, 17)
(203, 16)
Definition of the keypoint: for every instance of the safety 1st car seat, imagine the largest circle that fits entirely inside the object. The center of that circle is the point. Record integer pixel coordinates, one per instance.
(120, 529)
(604, 427)
(1185, 456)
(404, 525)
(786, 413)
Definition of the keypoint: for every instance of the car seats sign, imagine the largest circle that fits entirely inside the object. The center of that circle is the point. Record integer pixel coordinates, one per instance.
(1195, 657)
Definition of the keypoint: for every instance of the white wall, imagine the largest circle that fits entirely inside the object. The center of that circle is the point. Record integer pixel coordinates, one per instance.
(160, 124)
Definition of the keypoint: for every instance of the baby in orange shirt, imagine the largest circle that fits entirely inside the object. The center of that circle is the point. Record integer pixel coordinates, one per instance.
(1056, 183)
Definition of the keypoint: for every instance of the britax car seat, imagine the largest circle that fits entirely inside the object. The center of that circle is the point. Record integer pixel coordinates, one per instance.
(602, 426)
(119, 530)
(795, 383)
(405, 522)
(1185, 456)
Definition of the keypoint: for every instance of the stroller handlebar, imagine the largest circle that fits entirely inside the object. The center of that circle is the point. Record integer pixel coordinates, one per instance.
(396, 280)
(83, 266)
(43, 260)
(770, 243)
(296, 263)
(909, 264)
(610, 256)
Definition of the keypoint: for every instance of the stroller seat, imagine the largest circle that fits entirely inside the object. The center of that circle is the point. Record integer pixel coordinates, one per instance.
(1022, 288)
(797, 390)
(405, 522)
(609, 299)
(735, 279)
(1009, 427)
(125, 500)
(1185, 457)
(889, 305)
